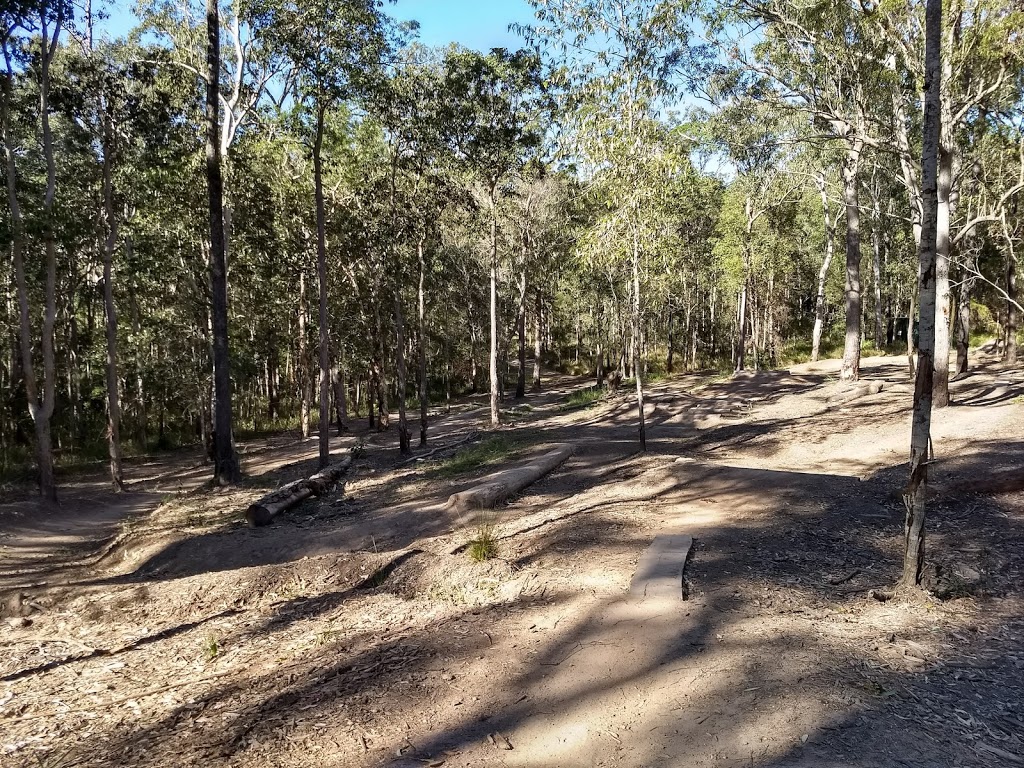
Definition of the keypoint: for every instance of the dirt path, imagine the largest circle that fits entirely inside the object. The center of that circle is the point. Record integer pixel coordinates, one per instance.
(357, 632)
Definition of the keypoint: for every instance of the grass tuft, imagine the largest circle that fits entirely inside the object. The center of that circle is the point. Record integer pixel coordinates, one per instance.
(582, 398)
(486, 452)
(485, 546)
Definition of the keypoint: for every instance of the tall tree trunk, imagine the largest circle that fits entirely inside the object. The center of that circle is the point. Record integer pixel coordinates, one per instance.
(740, 351)
(914, 532)
(110, 243)
(422, 317)
(963, 325)
(877, 245)
(521, 330)
(671, 338)
(819, 300)
(493, 356)
(226, 468)
(400, 369)
(321, 273)
(1010, 346)
(380, 389)
(40, 408)
(636, 344)
(537, 341)
(340, 397)
(141, 414)
(851, 181)
(303, 366)
(943, 254)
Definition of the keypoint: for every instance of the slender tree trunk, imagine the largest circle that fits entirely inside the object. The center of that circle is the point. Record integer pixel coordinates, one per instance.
(1010, 346)
(636, 344)
(851, 181)
(943, 255)
(321, 273)
(537, 341)
(340, 397)
(40, 408)
(819, 301)
(303, 367)
(403, 423)
(141, 414)
(422, 317)
(493, 356)
(963, 326)
(521, 330)
(671, 338)
(914, 532)
(226, 468)
(911, 347)
(740, 353)
(110, 243)
(877, 245)
(380, 386)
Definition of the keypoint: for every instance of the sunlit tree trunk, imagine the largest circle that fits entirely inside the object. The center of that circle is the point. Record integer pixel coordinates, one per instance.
(914, 531)
(521, 332)
(423, 388)
(819, 300)
(303, 362)
(637, 375)
(537, 341)
(851, 180)
(40, 407)
(493, 356)
(877, 245)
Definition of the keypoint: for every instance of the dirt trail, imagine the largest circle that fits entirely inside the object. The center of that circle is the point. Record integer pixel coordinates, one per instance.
(356, 631)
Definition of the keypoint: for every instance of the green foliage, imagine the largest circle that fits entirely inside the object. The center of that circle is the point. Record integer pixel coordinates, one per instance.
(489, 451)
(484, 546)
(583, 398)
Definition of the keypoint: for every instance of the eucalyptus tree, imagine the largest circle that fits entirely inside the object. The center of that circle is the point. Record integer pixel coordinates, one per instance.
(913, 561)
(826, 64)
(494, 97)
(980, 77)
(19, 20)
(118, 108)
(226, 467)
(336, 51)
(616, 64)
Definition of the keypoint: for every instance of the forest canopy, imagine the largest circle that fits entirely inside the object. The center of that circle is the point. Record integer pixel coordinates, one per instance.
(278, 214)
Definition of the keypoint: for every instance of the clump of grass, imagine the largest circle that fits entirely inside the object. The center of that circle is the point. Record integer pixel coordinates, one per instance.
(582, 398)
(211, 648)
(485, 546)
(485, 452)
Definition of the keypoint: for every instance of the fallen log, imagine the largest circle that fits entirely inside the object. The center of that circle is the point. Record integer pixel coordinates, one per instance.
(858, 390)
(287, 496)
(496, 488)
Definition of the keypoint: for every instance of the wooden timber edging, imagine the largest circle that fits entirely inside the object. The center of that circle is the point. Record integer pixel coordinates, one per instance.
(262, 512)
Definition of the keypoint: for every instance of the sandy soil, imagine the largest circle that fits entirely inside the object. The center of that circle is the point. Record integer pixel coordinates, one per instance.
(355, 631)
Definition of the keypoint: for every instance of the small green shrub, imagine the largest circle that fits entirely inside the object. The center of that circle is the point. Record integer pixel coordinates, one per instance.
(211, 648)
(485, 546)
(485, 452)
(582, 398)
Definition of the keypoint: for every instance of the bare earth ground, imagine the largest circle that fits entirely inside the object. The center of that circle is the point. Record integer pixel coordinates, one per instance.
(355, 631)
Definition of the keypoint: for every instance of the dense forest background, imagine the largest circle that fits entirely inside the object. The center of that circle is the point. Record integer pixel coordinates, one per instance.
(307, 218)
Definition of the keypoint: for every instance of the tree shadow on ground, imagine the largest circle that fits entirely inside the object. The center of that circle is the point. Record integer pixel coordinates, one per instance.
(700, 681)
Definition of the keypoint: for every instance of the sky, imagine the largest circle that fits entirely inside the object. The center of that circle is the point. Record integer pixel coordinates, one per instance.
(479, 24)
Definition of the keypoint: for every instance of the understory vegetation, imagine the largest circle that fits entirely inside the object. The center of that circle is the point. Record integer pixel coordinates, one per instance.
(320, 221)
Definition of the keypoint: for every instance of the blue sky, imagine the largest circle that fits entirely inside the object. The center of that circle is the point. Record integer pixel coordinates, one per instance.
(480, 24)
